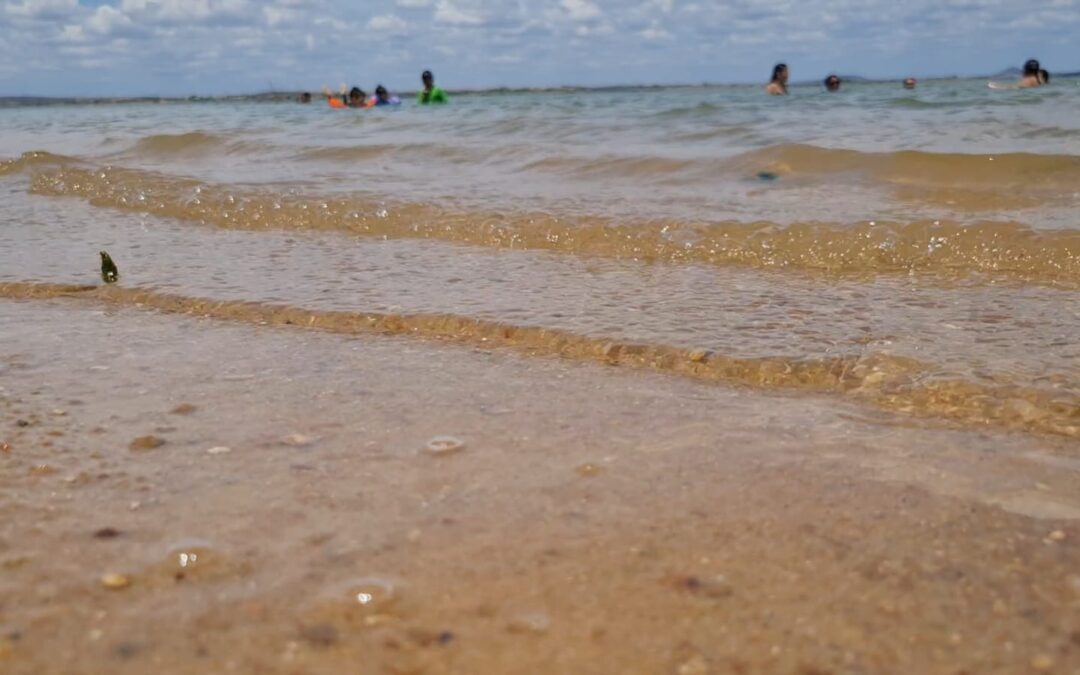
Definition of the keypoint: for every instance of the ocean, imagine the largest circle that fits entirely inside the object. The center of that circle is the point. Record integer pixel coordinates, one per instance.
(711, 287)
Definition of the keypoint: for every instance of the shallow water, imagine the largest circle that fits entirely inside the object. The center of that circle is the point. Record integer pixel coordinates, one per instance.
(804, 337)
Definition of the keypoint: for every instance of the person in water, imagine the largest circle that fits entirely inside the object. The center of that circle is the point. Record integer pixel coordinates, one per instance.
(430, 93)
(383, 97)
(305, 97)
(1033, 76)
(357, 98)
(778, 85)
(910, 82)
(832, 83)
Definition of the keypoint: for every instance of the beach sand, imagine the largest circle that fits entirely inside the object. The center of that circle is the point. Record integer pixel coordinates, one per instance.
(597, 520)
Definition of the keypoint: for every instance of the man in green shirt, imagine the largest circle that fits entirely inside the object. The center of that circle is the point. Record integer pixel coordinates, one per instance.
(431, 93)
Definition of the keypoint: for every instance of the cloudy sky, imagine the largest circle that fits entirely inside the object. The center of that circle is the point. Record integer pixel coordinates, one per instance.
(182, 47)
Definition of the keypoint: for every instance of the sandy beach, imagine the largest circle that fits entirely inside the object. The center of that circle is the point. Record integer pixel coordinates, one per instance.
(665, 540)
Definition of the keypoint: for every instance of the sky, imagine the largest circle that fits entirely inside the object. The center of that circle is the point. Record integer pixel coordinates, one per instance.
(208, 47)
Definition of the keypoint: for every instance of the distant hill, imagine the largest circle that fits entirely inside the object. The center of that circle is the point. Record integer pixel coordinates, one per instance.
(1009, 72)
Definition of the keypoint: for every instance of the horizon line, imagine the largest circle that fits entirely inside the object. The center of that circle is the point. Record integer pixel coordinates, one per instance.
(499, 89)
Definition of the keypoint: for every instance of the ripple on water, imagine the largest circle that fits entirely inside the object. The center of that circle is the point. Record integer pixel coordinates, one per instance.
(355, 603)
(193, 559)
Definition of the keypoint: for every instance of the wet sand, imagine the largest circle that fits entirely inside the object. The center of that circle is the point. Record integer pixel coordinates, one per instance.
(598, 519)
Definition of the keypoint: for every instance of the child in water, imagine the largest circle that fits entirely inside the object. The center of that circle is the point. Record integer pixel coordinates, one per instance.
(383, 97)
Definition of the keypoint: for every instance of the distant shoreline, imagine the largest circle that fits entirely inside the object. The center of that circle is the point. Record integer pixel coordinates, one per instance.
(289, 96)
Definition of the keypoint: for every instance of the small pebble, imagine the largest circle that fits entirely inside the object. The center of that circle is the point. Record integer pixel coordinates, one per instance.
(146, 443)
(699, 355)
(22, 423)
(1056, 535)
(5, 447)
(184, 409)
(1042, 662)
(715, 587)
(298, 440)
(440, 446)
(107, 533)
(115, 582)
(588, 470)
(218, 450)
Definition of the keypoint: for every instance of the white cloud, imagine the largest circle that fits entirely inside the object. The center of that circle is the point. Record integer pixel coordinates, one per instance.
(42, 9)
(281, 15)
(72, 33)
(413, 4)
(388, 23)
(110, 21)
(449, 13)
(580, 10)
(655, 33)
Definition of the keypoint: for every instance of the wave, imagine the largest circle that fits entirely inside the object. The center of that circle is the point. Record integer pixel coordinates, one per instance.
(192, 144)
(890, 382)
(1000, 249)
(1020, 171)
(34, 159)
(703, 109)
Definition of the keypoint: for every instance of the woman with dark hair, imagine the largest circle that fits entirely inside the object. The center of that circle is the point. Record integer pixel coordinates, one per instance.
(1033, 76)
(778, 85)
(832, 83)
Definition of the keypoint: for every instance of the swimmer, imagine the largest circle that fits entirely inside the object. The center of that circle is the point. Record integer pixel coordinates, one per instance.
(304, 98)
(910, 82)
(1033, 76)
(778, 85)
(832, 83)
(430, 93)
(357, 98)
(383, 97)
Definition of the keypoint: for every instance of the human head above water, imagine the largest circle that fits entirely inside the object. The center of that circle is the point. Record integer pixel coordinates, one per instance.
(357, 94)
(428, 79)
(381, 93)
(832, 83)
(780, 73)
(305, 97)
(909, 83)
(1032, 68)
